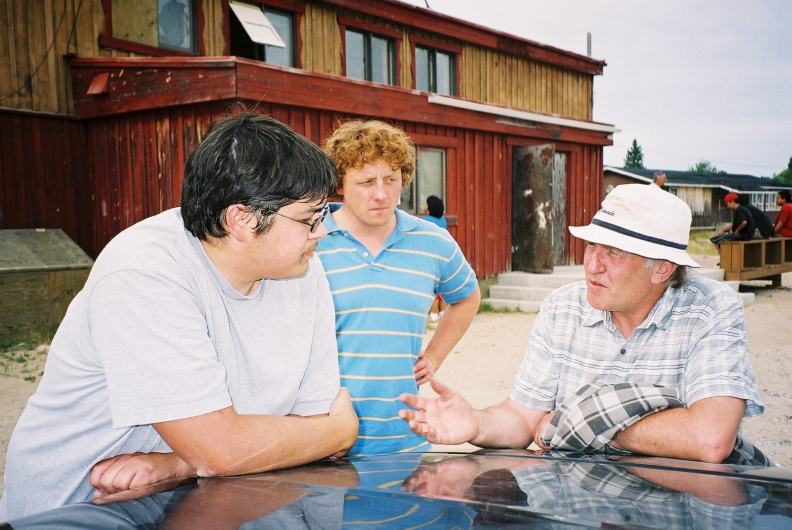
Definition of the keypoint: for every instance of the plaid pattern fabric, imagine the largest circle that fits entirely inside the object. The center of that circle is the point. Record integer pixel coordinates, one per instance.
(612, 495)
(694, 339)
(600, 411)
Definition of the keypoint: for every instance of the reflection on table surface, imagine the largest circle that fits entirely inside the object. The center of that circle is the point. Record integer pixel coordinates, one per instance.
(441, 490)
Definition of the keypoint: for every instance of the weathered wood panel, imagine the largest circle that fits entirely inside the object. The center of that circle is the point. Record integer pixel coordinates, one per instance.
(493, 67)
(496, 77)
(40, 273)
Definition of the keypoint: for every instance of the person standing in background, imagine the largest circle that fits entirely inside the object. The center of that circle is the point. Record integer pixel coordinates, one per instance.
(783, 222)
(434, 209)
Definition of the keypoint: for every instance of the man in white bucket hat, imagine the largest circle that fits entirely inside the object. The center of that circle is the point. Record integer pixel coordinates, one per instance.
(638, 329)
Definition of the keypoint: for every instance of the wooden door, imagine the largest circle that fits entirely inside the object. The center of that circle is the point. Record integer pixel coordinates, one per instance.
(532, 202)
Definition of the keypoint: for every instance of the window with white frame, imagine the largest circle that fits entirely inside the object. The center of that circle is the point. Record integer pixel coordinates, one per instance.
(263, 34)
(435, 71)
(430, 179)
(370, 57)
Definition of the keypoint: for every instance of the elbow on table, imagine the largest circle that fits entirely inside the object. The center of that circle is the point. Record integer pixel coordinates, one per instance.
(714, 449)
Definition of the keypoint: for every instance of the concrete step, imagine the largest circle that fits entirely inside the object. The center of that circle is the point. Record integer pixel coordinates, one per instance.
(549, 281)
(715, 274)
(526, 306)
(734, 285)
(525, 291)
(513, 292)
(747, 298)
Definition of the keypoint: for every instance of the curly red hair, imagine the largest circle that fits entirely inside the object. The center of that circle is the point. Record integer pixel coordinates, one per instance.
(357, 142)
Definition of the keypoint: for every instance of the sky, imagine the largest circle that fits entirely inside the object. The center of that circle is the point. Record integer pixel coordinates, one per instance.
(689, 80)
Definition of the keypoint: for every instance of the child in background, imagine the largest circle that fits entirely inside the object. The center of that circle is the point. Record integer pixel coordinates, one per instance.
(434, 209)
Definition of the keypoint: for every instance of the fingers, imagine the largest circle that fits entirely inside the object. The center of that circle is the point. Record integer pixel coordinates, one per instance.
(98, 470)
(423, 429)
(413, 400)
(442, 390)
(112, 475)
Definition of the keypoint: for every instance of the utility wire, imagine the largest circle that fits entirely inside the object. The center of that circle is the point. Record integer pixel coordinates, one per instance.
(49, 48)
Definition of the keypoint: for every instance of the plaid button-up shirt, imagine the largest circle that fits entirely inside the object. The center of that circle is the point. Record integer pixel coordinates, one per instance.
(694, 340)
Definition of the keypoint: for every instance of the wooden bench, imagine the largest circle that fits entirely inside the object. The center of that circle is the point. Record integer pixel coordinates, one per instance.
(41, 271)
(765, 259)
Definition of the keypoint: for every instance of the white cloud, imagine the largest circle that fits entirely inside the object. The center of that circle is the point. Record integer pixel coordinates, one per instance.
(704, 80)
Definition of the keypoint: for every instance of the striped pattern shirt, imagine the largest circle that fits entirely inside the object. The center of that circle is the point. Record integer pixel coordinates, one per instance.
(381, 304)
(693, 340)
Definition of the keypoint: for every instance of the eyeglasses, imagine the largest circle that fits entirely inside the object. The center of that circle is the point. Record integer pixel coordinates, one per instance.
(313, 224)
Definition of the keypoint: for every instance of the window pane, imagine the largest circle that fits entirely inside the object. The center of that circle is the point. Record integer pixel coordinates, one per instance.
(175, 24)
(407, 199)
(430, 175)
(422, 69)
(355, 67)
(444, 74)
(380, 60)
(283, 23)
(430, 179)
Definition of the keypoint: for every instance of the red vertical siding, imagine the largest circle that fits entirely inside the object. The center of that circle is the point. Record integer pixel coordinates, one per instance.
(44, 181)
(93, 178)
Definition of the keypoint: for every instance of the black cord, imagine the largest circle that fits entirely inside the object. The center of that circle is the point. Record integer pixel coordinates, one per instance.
(49, 49)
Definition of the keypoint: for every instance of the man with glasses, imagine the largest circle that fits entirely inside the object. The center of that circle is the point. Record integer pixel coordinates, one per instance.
(203, 342)
(385, 268)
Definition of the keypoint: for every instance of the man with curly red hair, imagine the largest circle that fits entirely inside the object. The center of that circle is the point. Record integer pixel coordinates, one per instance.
(385, 268)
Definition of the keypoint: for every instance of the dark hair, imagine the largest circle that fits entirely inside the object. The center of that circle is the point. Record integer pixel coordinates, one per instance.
(679, 277)
(743, 199)
(256, 161)
(435, 206)
(784, 194)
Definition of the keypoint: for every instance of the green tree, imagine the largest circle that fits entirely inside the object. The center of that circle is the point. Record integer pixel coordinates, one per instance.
(634, 158)
(785, 177)
(704, 166)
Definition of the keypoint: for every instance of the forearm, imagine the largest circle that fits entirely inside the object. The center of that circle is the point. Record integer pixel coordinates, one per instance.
(455, 322)
(712, 488)
(232, 444)
(705, 432)
(740, 227)
(501, 426)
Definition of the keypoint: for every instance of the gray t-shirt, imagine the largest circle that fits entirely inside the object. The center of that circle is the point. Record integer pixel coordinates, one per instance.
(158, 334)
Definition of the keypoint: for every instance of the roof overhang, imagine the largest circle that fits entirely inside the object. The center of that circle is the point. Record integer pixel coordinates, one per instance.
(530, 117)
(106, 86)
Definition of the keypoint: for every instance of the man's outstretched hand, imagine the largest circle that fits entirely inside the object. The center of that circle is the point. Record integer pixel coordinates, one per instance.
(447, 420)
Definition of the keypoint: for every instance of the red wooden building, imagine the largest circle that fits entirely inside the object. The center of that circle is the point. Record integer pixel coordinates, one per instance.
(93, 136)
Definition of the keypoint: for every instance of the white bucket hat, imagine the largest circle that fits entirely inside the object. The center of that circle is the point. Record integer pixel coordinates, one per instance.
(642, 220)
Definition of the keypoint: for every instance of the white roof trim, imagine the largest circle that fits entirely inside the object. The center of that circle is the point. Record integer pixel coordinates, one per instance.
(257, 25)
(521, 114)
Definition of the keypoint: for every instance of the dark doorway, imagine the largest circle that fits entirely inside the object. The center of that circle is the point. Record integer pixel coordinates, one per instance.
(532, 203)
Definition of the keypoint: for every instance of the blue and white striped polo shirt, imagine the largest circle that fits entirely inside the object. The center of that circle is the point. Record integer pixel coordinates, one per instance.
(381, 304)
